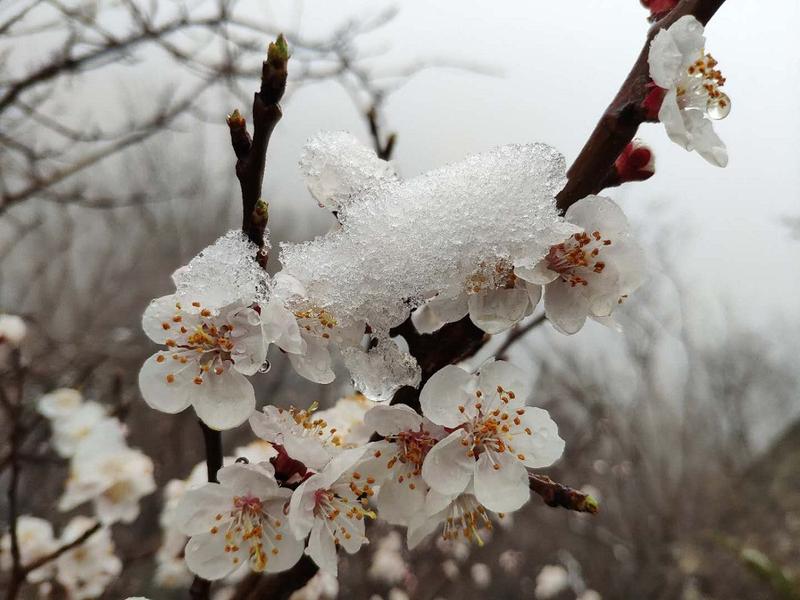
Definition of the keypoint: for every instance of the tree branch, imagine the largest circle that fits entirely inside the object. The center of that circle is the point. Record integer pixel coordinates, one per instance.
(556, 494)
(621, 120)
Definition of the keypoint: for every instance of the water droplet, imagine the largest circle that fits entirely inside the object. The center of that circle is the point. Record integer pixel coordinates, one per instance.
(719, 107)
(242, 460)
(265, 367)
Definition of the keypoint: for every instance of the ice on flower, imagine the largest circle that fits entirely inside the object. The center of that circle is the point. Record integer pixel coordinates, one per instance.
(239, 520)
(36, 540)
(223, 273)
(86, 571)
(382, 369)
(495, 436)
(591, 272)
(328, 506)
(402, 243)
(679, 64)
(337, 167)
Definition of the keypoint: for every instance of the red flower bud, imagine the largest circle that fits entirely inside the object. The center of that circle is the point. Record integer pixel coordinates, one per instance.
(636, 163)
(658, 8)
(652, 101)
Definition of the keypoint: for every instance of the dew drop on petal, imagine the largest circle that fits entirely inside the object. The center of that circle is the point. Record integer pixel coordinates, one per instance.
(719, 107)
(264, 368)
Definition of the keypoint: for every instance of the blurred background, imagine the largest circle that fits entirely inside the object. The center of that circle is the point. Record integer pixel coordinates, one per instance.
(116, 168)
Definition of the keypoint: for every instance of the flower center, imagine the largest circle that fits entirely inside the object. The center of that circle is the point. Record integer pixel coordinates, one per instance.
(493, 428)
(466, 517)
(577, 257)
(333, 509)
(313, 427)
(499, 274)
(316, 320)
(413, 447)
(248, 524)
(702, 85)
(205, 341)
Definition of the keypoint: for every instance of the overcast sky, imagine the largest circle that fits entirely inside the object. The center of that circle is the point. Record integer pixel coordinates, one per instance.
(561, 64)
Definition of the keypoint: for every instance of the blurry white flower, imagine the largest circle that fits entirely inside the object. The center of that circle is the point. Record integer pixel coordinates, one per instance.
(59, 403)
(679, 64)
(450, 568)
(346, 417)
(591, 272)
(395, 463)
(87, 570)
(388, 565)
(305, 436)
(12, 330)
(73, 427)
(327, 506)
(36, 540)
(481, 575)
(111, 475)
(494, 438)
(589, 595)
(209, 352)
(397, 594)
(510, 561)
(240, 519)
(551, 580)
(322, 586)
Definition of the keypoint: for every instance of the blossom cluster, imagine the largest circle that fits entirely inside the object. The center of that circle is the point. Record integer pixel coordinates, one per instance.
(460, 466)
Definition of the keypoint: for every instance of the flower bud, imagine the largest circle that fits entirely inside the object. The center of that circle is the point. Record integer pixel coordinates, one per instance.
(636, 163)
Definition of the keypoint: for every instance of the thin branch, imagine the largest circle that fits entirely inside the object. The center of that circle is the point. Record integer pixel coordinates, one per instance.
(621, 120)
(517, 333)
(62, 549)
(559, 495)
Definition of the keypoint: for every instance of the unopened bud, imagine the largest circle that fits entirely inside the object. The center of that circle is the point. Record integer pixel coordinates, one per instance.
(652, 101)
(658, 8)
(278, 51)
(636, 163)
(235, 120)
(261, 213)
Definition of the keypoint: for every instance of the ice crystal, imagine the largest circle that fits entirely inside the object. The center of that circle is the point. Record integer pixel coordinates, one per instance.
(403, 241)
(337, 168)
(381, 370)
(223, 273)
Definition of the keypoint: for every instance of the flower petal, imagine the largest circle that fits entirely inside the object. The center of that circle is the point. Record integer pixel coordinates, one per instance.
(543, 446)
(565, 306)
(166, 384)
(224, 401)
(502, 374)
(250, 479)
(502, 489)
(159, 311)
(447, 468)
(398, 503)
(197, 508)
(444, 392)
(496, 310)
(206, 556)
(390, 420)
(321, 548)
(315, 364)
(281, 328)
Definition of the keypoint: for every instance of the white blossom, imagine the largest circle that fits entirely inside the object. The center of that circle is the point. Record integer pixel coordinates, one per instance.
(59, 403)
(322, 586)
(36, 540)
(327, 506)
(495, 436)
(239, 520)
(110, 474)
(347, 418)
(461, 516)
(551, 581)
(388, 564)
(679, 64)
(209, 351)
(86, 571)
(12, 330)
(395, 463)
(591, 272)
(481, 575)
(305, 436)
(75, 426)
(304, 330)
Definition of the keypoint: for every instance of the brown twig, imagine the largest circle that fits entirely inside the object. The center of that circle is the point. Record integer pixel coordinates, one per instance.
(251, 160)
(517, 333)
(621, 120)
(62, 549)
(556, 494)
